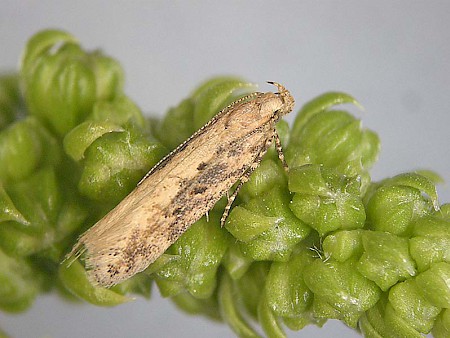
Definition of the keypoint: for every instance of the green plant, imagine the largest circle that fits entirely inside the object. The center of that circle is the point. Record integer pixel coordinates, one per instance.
(321, 242)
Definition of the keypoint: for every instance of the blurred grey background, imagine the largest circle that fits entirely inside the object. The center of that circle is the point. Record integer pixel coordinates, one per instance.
(393, 56)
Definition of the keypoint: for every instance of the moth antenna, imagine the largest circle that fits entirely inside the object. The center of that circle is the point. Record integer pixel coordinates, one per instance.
(281, 88)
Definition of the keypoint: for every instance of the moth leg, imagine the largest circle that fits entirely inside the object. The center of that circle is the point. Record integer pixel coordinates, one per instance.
(279, 149)
(244, 178)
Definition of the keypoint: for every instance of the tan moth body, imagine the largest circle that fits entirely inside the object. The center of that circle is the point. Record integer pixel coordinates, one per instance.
(182, 187)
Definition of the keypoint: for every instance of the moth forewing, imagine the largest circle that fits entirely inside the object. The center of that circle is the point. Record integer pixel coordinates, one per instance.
(182, 188)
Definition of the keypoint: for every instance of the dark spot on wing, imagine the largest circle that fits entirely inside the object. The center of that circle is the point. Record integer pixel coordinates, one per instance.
(177, 211)
(201, 166)
(199, 190)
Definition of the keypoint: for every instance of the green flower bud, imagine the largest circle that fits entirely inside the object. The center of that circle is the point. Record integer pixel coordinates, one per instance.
(170, 278)
(109, 76)
(286, 292)
(38, 199)
(369, 149)
(372, 323)
(340, 291)
(19, 283)
(71, 217)
(316, 106)
(398, 201)
(119, 110)
(24, 147)
(68, 86)
(422, 183)
(441, 327)
(115, 162)
(332, 138)
(414, 309)
(19, 242)
(235, 261)
(44, 217)
(326, 200)
(398, 326)
(43, 43)
(430, 242)
(343, 245)
(196, 257)
(382, 321)
(266, 227)
(386, 259)
(74, 278)
(268, 175)
(82, 136)
(54, 67)
(434, 284)
(106, 117)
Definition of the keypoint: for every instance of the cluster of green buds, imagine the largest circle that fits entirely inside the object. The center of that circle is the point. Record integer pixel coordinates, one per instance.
(319, 242)
(72, 144)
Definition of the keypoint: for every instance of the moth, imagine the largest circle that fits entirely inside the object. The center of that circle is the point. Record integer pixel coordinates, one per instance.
(183, 187)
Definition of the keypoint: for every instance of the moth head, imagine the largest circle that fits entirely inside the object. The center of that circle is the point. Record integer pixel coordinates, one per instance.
(287, 98)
